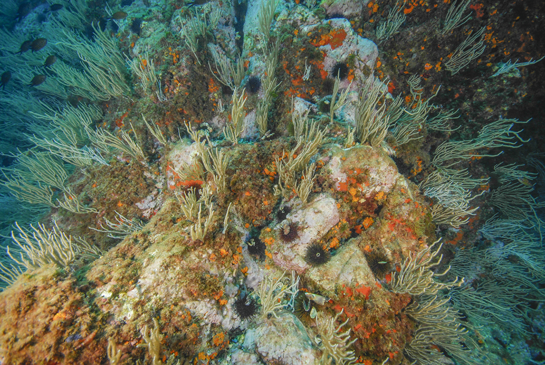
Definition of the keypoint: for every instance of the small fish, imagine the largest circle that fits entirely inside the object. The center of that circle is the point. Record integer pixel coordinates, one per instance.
(38, 44)
(56, 7)
(25, 46)
(118, 15)
(525, 181)
(50, 60)
(318, 299)
(40, 18)
(73, 100)
(37, 80)
(6, 76)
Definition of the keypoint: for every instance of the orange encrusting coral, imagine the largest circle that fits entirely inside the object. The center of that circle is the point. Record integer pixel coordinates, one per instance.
(334, 39)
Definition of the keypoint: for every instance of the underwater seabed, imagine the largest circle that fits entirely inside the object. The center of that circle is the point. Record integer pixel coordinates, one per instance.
(271, 182)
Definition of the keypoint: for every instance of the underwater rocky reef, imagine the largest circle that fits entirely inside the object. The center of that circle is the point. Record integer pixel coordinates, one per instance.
(272, 182)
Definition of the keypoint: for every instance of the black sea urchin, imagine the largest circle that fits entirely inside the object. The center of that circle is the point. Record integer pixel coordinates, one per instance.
(316, 255)
(283, 212)
(340, 70)
(256, 247)
(289, 232)
(378, 263)
(327, 86)
(253, 84)
(245, 307)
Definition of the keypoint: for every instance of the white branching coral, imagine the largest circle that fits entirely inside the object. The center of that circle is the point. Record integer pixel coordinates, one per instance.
(416, 276)
(199, 229)
(337, 103)
(396, 17)
(198, 26)
(104, 140)
(470, 49)
(103, 75)
(155, 131)
(227, 72)
(121, 228)
(144, 69)
(40, 247)
(304, 188)
(439, 326)
(43, 247)
(494, 135)
(213, 161)
(114, 355)
(455, 17)
(372, 123)
(153, 342)
(453, 198)
(266, 16)
(514, 199)
(272, 293)
(452, 188)
(333, 343)
(234, 129)
(292, 164)
(188, 203)
(269, 87)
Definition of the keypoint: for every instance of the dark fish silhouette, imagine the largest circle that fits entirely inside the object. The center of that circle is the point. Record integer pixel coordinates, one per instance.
(38, 44)
(114, 27)
(24, 10)
(136, 26)
(5, 78)
(25, 46)
(56, 7)
(118, 15)
(50, 60)
(40, 18)
(37, 80)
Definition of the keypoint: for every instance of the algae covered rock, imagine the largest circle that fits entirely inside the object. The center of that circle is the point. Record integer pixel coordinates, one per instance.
(221, 202)
(283, 339)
